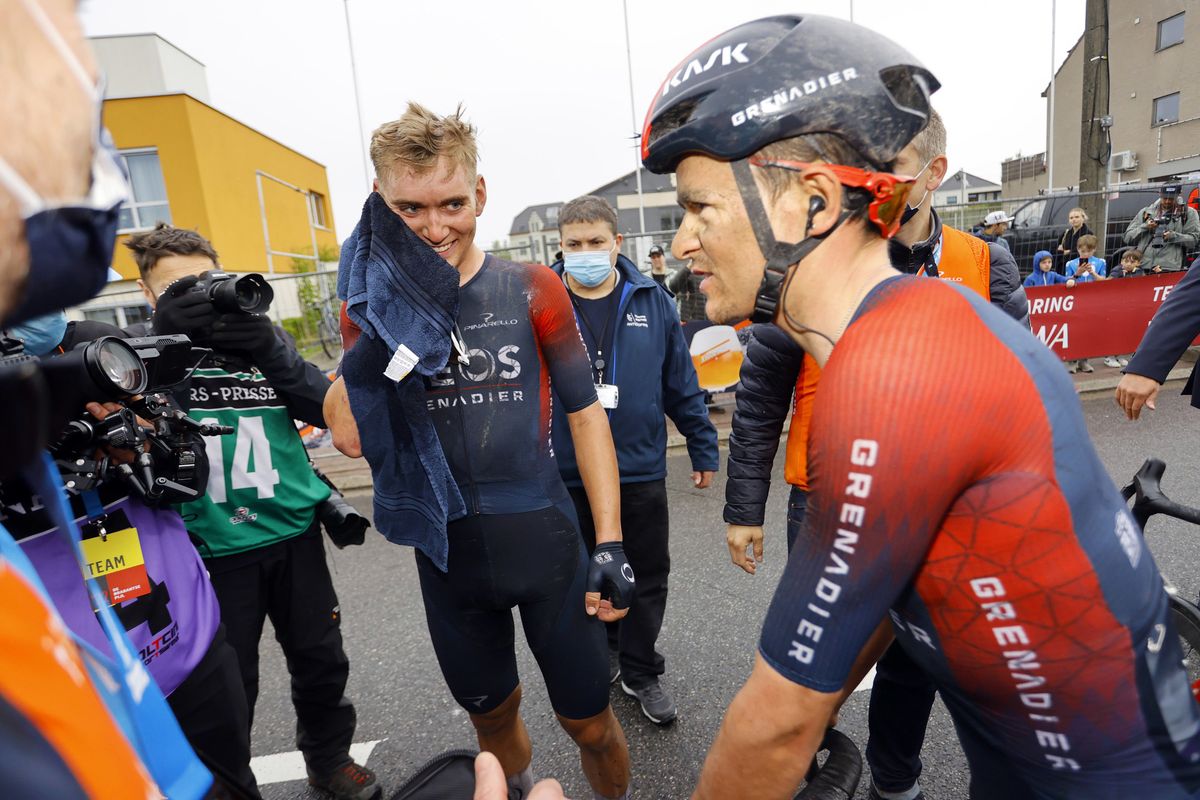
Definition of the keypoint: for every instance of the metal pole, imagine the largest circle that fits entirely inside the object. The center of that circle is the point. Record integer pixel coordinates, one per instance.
(1050, 116)
(637, 158)
(362, 136)
(262, 212)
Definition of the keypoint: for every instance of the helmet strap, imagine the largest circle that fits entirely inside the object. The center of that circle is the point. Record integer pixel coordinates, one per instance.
(780, 255)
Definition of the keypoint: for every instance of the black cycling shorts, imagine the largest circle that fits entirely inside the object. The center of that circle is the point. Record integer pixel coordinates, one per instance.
(535, 561)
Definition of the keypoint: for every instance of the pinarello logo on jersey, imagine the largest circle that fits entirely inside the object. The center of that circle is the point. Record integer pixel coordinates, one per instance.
(488, 322)
(242, 514)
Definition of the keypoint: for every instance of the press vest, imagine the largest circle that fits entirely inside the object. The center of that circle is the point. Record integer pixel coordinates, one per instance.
(965, 260)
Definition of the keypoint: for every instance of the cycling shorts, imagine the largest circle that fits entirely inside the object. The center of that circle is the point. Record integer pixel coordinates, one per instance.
(534, 561)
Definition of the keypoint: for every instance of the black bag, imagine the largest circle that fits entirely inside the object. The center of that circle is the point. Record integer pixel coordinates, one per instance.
(449, 776)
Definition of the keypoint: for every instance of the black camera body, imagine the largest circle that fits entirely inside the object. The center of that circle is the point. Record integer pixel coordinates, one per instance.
(249, 293)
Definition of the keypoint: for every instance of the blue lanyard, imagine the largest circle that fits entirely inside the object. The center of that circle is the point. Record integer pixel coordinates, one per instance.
(935, 258)
(130, 694)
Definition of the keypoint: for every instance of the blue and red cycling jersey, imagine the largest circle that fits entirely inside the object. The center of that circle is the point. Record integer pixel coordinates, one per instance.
(954, 488)
(493, 413)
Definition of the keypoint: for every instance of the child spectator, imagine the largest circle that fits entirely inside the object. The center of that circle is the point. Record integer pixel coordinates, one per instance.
(1085, 269)
(1130, 266)
(1043, 271)
(1068, 245)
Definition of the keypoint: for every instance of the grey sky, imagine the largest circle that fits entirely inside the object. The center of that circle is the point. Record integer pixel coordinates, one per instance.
(545, 81)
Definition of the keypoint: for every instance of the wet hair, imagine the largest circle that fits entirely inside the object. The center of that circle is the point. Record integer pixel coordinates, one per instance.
(164, 241)
(1087, 240)
(588, 208)
(420, 137)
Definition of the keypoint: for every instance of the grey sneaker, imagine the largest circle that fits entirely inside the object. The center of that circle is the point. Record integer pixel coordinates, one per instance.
(1086, 366)
(348, 782)
(656, 704)
(614, 666)
(1112, 361)
(875, 795)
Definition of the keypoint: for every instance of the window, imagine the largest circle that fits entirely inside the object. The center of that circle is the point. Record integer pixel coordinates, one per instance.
(316, 209)
(121, 316)
(1166, 109)
(148, 204)
(1170, 31)
(1029, 214)
(670, 219)
(951, 199)
(552, 213)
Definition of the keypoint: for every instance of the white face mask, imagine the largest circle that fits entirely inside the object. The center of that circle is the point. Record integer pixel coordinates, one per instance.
(911, 211)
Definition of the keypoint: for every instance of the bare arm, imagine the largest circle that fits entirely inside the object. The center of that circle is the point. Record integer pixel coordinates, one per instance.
(597, 459)
(767, 740)
(340, 419)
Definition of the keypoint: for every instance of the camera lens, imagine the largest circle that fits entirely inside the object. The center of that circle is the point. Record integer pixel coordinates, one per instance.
(115, 366)
(247, 293)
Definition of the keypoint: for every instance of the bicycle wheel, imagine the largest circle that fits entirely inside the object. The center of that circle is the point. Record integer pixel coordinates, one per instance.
(330, 336)
(1186, 616)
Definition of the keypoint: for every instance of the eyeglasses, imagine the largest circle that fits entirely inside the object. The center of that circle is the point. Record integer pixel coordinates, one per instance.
(889, 192)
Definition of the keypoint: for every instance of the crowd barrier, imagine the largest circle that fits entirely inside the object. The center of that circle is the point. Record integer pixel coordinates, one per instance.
(1103, 318)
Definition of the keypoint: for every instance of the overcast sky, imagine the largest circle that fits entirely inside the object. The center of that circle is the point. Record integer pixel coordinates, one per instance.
(546, 81)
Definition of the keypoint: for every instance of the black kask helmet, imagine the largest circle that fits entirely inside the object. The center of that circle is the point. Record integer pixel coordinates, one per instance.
(784, 76)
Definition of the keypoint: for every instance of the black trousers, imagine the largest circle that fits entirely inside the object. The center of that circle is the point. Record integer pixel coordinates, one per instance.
(289, 582)
(210, 706)
(901, 697)
(645, 525)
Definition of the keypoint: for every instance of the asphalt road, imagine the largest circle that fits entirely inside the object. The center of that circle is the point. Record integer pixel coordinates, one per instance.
(709, 635)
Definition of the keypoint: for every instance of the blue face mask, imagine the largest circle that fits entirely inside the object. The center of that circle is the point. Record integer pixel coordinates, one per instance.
(41, 334)
(70, 241)
(589, 267)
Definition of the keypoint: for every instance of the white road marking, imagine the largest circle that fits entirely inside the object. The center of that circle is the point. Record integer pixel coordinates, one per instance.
(281, 767)
(867, 682)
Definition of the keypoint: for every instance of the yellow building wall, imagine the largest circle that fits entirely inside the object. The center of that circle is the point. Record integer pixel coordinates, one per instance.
(210, 166)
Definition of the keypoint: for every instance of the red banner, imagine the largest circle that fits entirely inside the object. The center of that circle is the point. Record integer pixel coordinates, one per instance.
(1102, 318)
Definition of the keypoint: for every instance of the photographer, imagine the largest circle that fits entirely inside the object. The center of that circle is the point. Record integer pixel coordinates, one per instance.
(155, 580)
(1164, 231)
(258, 521)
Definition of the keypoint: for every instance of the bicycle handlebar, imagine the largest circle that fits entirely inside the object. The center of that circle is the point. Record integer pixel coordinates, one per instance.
(1151, 500)
(838, 778)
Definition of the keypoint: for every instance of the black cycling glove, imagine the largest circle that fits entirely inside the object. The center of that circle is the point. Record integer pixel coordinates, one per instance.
(610, 567)
(182, 309)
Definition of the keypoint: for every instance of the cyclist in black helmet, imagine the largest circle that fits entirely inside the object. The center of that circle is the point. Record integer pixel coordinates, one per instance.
(1006, 566)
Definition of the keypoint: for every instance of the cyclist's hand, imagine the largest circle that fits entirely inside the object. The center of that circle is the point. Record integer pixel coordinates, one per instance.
(740, 538)
(1134, 392)
(609, 568)
(490, 785)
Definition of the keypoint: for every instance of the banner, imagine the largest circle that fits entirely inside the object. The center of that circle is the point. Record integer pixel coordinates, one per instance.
(1101, 318)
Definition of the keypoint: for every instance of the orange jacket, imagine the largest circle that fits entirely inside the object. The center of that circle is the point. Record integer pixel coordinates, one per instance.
(964, 260)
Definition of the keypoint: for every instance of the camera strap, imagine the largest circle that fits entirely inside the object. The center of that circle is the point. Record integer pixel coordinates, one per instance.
(128, 691)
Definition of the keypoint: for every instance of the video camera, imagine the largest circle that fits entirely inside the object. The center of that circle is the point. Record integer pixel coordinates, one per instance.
(165, 464)
(250, 293)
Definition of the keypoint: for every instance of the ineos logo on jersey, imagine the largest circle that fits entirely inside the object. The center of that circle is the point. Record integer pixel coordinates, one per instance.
(728, 54)
(483, 366)
(781, 99)
(488, 322)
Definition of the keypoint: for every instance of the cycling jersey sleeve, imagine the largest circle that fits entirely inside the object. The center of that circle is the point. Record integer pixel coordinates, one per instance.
(559, 340)
(892, 448)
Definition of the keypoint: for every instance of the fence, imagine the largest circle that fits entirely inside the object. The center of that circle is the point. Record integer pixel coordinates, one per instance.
(305, 305)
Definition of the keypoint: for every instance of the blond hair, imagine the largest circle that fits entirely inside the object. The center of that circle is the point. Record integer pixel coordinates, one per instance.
(420, 137)
(931, 141)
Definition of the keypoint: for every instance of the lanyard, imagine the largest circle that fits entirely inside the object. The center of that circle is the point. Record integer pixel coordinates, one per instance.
(930, 268)
(598, 361)
(137, 704)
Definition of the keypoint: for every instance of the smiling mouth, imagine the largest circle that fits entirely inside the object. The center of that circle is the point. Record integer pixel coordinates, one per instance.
(441, 248)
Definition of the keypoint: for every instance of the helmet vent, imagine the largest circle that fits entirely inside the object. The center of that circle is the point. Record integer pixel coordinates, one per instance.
(907, 88)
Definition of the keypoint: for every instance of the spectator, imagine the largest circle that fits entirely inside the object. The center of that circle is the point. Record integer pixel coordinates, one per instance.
(261, 539)
(686, 288)
(1164, 231)
(1043, 271)
(994, 226)
(645, 340)
(658, 265)
(1068, 245)
(1087, 267)
(1130, 265)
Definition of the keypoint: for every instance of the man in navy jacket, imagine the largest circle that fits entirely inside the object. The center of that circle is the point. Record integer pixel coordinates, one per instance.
(1173, 328)
(643, 371)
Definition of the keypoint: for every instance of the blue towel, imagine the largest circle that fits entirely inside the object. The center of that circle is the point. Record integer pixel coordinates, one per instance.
(400, 292)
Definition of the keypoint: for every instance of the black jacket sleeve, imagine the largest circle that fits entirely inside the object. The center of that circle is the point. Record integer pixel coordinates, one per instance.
(677, 281)
(1006, 290)
(1171, 331)
(769, 371)
(299, 384)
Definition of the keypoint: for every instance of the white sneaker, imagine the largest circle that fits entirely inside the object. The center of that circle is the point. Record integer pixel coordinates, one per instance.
(1072, 367)
(1124, 362)
(1086, 366)
(1111, 361)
